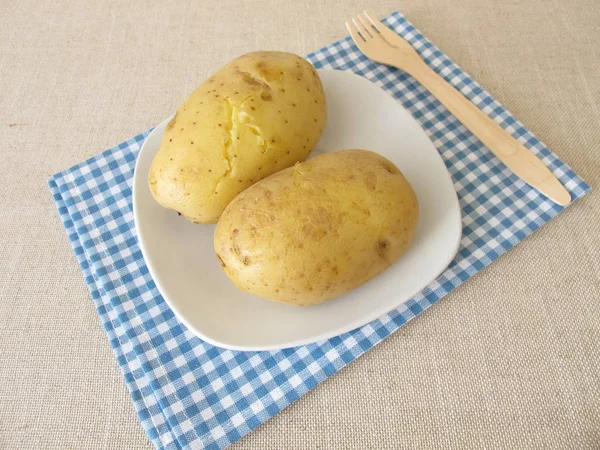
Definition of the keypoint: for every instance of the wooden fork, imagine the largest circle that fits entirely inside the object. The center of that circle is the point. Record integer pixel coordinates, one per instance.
(383, 45)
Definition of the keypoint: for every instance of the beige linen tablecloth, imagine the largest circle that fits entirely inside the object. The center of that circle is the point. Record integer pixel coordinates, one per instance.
(511, 359)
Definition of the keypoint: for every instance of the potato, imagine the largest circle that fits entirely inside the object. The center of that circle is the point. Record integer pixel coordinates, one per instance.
(259, 114)
(314, 231)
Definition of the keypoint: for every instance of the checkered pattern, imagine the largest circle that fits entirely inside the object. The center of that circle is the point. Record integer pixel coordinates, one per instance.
(189, 394)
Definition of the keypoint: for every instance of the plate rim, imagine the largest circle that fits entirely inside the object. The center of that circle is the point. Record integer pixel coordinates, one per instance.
(352, 325)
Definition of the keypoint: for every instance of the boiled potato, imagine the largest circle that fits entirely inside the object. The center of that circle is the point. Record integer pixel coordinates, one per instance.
(314, 231)
(261, 113)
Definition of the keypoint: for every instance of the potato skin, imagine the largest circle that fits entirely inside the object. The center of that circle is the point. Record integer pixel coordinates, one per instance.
(259, 114)
(314, 231)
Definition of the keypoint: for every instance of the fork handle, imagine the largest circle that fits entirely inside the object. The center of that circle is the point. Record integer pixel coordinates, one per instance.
(510, 151)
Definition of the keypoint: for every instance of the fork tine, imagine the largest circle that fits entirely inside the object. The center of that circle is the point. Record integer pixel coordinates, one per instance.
(361, 29)
(367, 26)
(354, 33)
(377, 24)
(387, 34)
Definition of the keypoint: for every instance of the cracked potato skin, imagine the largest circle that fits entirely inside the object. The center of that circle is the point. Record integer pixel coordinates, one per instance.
(259, 114)
(319, 229)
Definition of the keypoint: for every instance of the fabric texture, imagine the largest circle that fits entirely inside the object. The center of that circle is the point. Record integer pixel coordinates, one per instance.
(190, 394)
(497, 365)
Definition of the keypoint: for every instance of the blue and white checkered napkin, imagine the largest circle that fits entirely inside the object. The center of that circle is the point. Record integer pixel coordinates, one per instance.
(189, 394)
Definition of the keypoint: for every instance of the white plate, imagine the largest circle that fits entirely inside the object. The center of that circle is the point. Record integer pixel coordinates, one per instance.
(183, 264)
